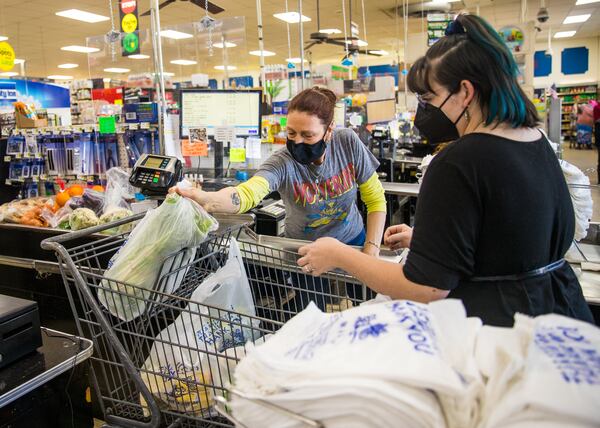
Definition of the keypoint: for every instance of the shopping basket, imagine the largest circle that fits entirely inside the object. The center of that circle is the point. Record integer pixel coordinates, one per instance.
(127, 388)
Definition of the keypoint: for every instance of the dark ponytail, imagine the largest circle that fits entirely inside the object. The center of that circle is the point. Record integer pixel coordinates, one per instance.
(472, 50)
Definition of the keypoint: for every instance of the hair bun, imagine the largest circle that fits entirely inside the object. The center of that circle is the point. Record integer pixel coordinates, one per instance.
(455, 27)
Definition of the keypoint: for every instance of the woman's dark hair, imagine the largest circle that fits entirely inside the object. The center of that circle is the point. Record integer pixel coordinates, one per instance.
(316, 101)
(472, 50)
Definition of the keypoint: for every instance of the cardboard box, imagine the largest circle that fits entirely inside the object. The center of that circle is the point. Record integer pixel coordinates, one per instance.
(24, 122)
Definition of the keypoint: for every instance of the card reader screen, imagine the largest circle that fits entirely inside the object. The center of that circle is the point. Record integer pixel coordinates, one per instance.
(152, 162)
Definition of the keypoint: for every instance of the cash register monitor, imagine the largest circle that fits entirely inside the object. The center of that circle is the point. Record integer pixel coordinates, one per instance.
(201, 108)
(382, 111)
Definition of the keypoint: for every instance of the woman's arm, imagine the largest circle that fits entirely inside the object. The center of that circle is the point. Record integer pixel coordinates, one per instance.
(383, 277)
(230, 200)
(373, 195)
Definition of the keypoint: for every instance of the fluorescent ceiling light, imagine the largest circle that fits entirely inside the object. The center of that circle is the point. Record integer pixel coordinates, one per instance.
(3, 38)
(564, 34)
(59, 77)
(116, 70)
(585, 2)
(360, 43)
(574, 19)
(265, 53)
(291, 17)
(176, 35)
(68, 65)
(227, 45)
(82, 49)
(295, 60)
(19, 61)
(9, 74)
(222, 67)
(330, 31)
(81, 15)
(139, 56)
(379, 52)
(184, 62)
(166, 73)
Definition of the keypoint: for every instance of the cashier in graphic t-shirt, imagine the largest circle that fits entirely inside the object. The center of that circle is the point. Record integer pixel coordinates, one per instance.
(317, 176)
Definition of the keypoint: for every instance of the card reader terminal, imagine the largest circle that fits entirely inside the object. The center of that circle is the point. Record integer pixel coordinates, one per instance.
(155, 174)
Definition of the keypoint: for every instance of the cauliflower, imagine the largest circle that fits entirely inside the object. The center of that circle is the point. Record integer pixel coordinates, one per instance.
(82, 218)
(114, 215)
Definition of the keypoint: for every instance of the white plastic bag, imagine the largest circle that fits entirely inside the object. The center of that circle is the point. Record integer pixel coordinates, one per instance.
(118, 191)
(203, 344)
(177, 224)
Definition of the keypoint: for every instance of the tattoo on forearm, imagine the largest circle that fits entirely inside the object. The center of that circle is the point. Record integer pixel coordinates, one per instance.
(235, 199)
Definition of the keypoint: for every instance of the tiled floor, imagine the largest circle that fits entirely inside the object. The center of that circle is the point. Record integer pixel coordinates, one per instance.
(587, 161)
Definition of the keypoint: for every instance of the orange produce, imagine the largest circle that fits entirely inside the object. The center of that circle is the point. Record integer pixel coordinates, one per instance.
(62, 198)
(75, 190)
(98, 188)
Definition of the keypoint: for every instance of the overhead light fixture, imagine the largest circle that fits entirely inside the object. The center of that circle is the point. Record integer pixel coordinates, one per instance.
(60, 77)
(81, 49)
(264, 53)
(139, 56)
(574, 19)
(9, 74)
(166, 73)
(360, 43)
(3, 38)
(330, 31)
(564, 34)
(379, 52)
(295, 60)
(19, 61)
(222, 67)
(184, 62)
(176, 35)
(226, 44)
(116, 70)
(586, 2)
(291, 17)
(68, 65)
(81, 15)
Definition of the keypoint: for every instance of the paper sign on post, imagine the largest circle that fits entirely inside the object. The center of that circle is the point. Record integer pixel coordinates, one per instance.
(195, 148)
(253, 148)
(225, 134)
(237, 154)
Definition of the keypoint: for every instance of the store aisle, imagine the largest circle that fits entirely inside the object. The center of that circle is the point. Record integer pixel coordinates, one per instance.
(587, 161)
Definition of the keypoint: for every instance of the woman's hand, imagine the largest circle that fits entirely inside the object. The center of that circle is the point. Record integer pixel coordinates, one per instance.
(320, 256)
(398, 236)
(194, 194)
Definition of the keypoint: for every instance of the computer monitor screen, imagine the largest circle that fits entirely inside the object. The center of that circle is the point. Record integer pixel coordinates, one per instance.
(381, 111)
(214, 108)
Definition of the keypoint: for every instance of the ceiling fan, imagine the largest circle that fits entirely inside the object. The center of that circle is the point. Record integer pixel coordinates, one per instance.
(321, 37)
(212, 8)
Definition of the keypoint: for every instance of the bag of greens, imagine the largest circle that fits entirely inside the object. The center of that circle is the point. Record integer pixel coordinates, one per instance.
(177, 224)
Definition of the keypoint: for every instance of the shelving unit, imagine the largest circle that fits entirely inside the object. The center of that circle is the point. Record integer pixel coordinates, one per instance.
(570, 96)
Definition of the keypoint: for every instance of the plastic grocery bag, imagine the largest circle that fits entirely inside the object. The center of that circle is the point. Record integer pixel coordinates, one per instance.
(203, 345)
(118, 191)
(177, 224)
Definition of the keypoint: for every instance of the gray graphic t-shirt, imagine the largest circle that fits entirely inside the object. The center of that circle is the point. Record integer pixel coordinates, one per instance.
(321, 200)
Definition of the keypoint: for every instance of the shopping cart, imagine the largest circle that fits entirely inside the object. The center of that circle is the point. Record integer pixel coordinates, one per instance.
(131, 393)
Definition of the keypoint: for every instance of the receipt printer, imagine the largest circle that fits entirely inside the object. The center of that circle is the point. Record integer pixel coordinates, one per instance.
(20, 332)
(270, 219)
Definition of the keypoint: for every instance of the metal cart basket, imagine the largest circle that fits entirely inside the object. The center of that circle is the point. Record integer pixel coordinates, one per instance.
(131, 392)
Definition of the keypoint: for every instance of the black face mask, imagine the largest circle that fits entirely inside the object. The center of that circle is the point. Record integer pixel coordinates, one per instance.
(434, 124)
(307, 153)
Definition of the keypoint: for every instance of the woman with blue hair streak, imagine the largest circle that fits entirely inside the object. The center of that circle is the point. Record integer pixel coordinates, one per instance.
(494, 217)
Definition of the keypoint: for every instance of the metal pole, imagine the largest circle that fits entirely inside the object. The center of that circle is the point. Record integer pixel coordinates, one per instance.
(159, 71)
(225, 61)
(301, 43)
(261, 45)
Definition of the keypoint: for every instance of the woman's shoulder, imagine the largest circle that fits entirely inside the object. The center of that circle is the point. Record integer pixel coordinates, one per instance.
(344, 134)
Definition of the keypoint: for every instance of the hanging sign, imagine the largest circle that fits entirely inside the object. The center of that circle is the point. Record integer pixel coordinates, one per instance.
(7, 56)
(130, 26)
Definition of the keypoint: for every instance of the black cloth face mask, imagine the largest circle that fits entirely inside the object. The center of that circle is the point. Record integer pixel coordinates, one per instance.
(306, 153)
(433, 123)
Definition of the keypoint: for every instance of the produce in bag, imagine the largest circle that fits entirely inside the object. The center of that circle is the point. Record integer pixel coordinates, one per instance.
(193, 358)
(82, 218)
(114, 215)
(177, 224)
(118, 191)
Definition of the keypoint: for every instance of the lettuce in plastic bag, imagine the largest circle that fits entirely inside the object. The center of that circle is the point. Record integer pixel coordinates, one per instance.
(177, 224)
